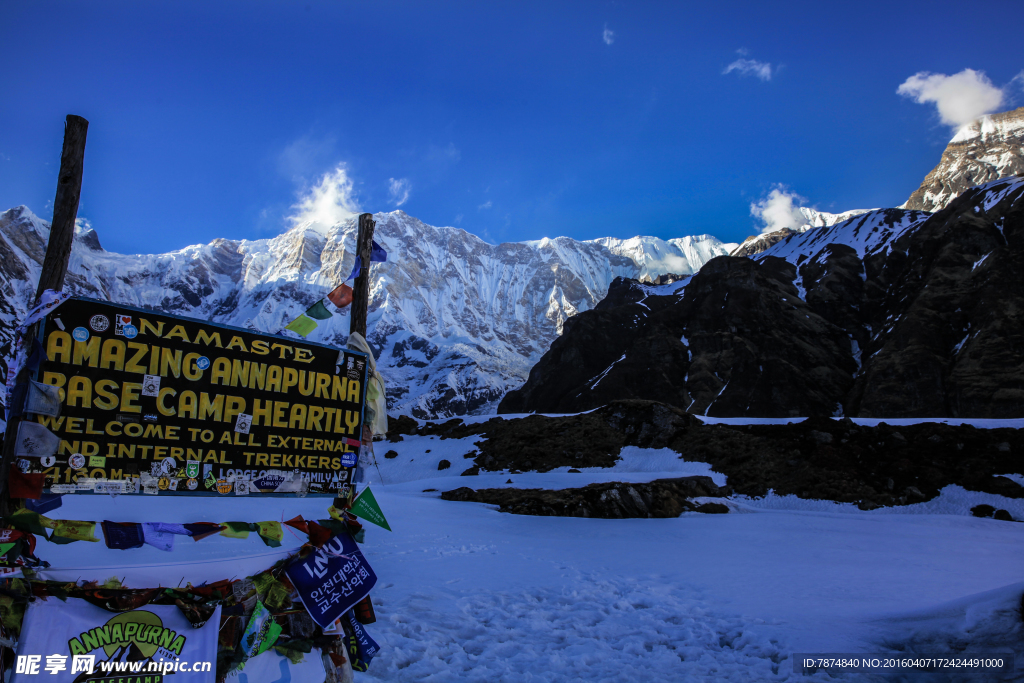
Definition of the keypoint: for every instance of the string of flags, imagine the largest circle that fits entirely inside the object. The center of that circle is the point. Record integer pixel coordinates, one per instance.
(340, 297)
(26, 524)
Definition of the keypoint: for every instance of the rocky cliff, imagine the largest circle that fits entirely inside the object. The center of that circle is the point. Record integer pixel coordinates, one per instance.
(988, 149)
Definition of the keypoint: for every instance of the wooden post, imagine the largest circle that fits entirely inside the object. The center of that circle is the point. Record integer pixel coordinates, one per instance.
(55, 264)
(361, 287)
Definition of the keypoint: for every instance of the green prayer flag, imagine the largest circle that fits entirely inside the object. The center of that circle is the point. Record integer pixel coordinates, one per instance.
(4, 547)
(302, 325)
(366, 506)
(318, 311)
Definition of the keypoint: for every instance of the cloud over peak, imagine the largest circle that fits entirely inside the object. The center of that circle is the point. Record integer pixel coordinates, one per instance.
(780, 209)
(608, 36)
(959, 99)
(328, 202)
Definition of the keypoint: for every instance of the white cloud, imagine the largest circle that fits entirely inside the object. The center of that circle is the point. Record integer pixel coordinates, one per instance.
(398, 190)
(486, 205)
(750, 67)
(327, 203)
(778, 210)
(608, 35)
(960, 98)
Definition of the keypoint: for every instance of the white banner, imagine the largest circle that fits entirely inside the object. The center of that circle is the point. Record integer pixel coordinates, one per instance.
(76, 642)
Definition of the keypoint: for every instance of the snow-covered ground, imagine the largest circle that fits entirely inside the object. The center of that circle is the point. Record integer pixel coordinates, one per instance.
(468, 593)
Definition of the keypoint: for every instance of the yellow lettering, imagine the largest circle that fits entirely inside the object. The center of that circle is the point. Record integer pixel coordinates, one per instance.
(170, 361)
(291, 378)
(353, 390)
(279, 409)
(190, 369)
(87, 352)
(233, 408)
(297, 420)
(133, 365)
(208, 408)
(338, 388)
(283, 349)
(313, 420)
(58, 347)
(239, 373)
(303, 355)
(274, 378)
(261, 415)
(130, 392)
(306, 387)
(178, 332)
(237, 343)
(221, 372)
(80, 389)
(323, 385)
(161, 405)
(187, 404)
(112, 356)
(146, 326)
(260, 348)
(202, 336)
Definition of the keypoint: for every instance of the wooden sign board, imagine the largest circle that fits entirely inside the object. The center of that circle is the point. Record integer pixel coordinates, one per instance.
(155, 403)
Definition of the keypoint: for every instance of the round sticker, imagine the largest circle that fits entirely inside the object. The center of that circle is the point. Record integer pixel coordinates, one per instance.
(224, 486)
(80, 334)
(164, 483)
(24, 465)
(192, 484)
(76, 461)
(99, 323)
(202, 362)
(130, 331)
(48, 460)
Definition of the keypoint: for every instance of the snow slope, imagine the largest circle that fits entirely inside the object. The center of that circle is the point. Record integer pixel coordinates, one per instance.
(468, 593)
(456, 322)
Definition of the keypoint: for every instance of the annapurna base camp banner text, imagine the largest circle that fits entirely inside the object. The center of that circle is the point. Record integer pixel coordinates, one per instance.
(165, 403)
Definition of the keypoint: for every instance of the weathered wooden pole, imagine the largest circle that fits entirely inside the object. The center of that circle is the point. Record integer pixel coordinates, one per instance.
(361, 287)
(55, 265)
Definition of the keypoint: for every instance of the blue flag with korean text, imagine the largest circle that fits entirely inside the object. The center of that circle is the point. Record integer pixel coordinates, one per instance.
(332, 579)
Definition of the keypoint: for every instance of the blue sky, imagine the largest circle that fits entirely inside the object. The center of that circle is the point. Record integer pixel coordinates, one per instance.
(512, 120)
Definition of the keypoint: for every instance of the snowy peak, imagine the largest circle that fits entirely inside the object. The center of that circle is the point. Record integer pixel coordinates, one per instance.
(678, 256)
(988, 149)
(455, 321)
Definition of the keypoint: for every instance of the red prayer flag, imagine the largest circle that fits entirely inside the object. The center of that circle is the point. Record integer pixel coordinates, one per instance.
(298, 523)
(318, 535)
(25, 485)
(341, 296)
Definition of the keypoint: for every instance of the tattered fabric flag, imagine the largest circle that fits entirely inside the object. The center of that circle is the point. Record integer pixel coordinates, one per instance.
(122, 535)
(340, 296)
(377, 255)
(32, 522)
(271, 532)
(306, 322)
(237, 529)
(366, 506)
(200, 530)
(299, 523)
(45, 503)
(48, 301)
(73, 530)
(21, 485)
(318, 535)
(153, 535)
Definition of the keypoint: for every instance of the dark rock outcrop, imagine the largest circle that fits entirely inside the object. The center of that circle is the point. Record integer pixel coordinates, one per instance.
(615, 500)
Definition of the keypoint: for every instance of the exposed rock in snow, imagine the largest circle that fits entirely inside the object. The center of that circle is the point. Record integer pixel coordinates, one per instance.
(988, 149)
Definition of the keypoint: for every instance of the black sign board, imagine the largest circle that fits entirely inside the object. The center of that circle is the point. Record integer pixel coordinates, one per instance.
(155, 403)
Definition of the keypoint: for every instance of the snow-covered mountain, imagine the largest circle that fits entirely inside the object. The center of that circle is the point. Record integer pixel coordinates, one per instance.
(988, 149)
(679, 256)
(455, 322)
(755, 244)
